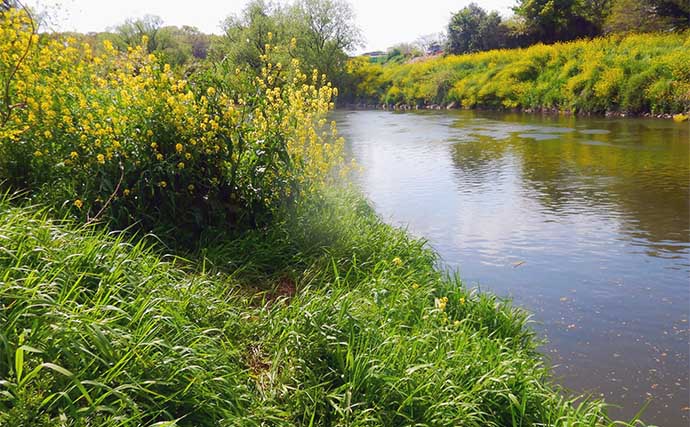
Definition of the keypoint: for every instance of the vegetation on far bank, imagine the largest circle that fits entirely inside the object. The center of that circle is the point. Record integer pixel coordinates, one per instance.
(636, 73)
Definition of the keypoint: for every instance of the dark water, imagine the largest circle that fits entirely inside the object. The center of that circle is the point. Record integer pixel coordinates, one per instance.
(584, 222)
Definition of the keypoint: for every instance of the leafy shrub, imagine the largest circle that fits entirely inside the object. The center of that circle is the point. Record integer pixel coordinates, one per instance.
(122, 136)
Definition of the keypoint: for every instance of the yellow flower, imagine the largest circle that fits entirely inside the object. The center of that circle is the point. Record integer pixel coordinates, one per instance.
(397, 261)
(73, 154)
(188, 156)
(456, 323)
(126, 192)
(680, 117)
(415, 286)
(38, 153)
(162, 184)
(441, 303)
(190, 187)
(159, 157)
(154, 145)
(100, 158)
(78, 203)
(211, 91)
(180, 165)
(47, 134)
(179, 147)
(462, 300)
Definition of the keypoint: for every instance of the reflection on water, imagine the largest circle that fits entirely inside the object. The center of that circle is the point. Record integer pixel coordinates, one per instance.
(585, 222)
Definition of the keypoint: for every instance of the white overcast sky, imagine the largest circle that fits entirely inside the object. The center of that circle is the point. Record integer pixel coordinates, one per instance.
(383, 22)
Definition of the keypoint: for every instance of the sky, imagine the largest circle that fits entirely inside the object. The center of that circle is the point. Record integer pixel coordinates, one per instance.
(383, 22)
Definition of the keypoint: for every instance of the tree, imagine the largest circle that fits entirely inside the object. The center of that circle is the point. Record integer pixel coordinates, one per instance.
(247, 34)
(132, 31)
(648, 15)
(472, 29)
(558, 20)
(674, 13)
(325, 31)
(198, 41)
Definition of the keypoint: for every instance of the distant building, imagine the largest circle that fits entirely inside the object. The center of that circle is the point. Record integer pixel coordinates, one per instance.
(434, 49)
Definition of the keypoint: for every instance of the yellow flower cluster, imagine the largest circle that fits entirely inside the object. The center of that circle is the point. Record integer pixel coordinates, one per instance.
(634, 73)
(441, 303)
(122, 124)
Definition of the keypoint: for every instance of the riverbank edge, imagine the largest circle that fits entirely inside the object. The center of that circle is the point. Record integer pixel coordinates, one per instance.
(328, 314)
(371, 106)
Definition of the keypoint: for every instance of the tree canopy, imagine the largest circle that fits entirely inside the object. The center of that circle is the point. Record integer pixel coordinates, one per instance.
(473, 29)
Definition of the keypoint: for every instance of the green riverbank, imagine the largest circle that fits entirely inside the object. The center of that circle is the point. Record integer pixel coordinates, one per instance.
(620, 74)
(327, 317)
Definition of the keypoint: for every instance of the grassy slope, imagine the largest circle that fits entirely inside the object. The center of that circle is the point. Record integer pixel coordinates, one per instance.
(634, 73)
(96, 329)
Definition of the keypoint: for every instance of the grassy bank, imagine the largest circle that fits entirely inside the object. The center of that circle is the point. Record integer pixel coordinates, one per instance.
(635, 74)
(326, 318)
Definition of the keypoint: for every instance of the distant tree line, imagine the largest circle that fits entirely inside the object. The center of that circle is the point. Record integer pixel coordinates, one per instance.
(473, 29)
(318, 33)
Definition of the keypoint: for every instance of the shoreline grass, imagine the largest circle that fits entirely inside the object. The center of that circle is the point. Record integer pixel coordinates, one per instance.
(328, 317)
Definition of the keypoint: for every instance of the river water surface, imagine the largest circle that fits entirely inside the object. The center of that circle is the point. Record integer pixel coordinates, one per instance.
(583, 222)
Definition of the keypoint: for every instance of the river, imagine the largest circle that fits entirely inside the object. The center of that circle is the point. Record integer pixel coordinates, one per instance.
(585, 222)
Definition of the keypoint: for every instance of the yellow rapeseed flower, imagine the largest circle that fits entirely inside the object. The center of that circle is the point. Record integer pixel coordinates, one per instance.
(78, 203)
(397, 261)
(441, 303)
(125, 192)
(159, 157)
(180, 165)
(73, 154)
(179, 147)
(38, 153)
(100, 158)
(190, 187)
(188, 156)
(162, 184)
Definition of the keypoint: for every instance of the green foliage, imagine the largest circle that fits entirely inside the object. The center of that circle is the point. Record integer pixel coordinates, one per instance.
(471, 30)
(559, 20)
(175, 46)
(648, 15)
(631, 74)
(329, 317)
(120, 137)
(246, 35)
(318, 33)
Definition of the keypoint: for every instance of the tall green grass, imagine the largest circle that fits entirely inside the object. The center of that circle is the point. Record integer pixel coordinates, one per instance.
(326, 318)
(639, 73)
